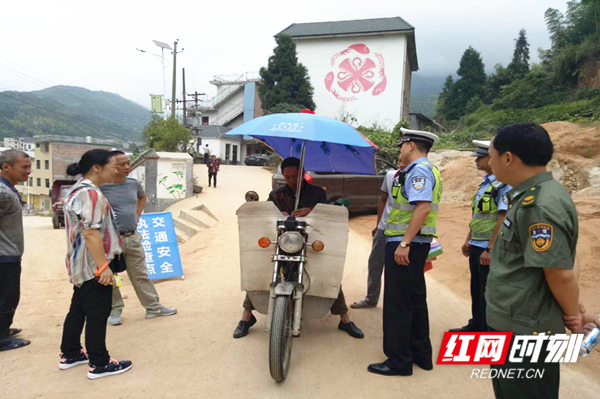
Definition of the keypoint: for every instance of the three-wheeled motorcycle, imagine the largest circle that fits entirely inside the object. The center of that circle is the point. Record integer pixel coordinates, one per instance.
(291, 269)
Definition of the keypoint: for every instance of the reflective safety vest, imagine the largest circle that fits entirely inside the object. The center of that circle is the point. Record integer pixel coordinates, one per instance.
(402, 211)
(485, 213)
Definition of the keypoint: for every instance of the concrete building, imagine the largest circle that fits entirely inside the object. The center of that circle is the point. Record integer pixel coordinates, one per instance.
(236, 101)
(360, 68)
(229, 149)
(52, 156)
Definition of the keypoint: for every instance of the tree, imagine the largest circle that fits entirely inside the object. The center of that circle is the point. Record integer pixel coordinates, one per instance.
(284, 108)
(285, 80)
(500, 78)
(441, 102)
(471, 84)
(520, 62)
(167, 135)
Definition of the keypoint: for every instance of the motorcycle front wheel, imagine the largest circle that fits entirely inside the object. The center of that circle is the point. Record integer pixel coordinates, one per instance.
(280, 346)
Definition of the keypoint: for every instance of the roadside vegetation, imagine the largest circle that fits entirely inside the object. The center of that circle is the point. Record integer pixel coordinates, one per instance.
(564, 86)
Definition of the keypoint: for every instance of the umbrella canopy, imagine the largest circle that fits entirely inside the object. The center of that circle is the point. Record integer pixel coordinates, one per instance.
(331, 145)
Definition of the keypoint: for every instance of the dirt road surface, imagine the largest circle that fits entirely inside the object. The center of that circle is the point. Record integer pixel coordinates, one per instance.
(193, 354)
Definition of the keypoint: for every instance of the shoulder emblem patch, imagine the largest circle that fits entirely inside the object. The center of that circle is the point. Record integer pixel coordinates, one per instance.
(541, 235)
(528, 200)
(418, 182)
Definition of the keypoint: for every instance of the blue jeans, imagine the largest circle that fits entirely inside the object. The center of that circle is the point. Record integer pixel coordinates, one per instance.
(10, 293)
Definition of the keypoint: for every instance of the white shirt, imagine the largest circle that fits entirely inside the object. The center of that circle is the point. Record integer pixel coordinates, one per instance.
(386, 187)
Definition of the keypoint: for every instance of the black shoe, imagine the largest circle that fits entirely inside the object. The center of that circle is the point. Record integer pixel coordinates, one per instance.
(383, 369)
(70, 362)
(425, 365)
(112, 368)
(352, 329)
(466, 328)
(243, 327)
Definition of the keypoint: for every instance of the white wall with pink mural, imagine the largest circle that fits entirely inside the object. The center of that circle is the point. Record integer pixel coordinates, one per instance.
(360, 76)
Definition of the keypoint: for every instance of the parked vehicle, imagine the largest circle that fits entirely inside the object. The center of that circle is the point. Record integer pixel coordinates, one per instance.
(257, 159)
(363, 191)
(60, 188)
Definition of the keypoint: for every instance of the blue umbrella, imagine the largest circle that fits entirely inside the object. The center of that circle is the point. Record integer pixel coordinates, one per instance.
(330, 145)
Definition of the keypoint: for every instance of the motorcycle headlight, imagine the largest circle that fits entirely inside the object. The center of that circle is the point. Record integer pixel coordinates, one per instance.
(291, 242)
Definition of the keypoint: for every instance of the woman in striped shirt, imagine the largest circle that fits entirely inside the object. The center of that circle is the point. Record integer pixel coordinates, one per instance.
(92, 242)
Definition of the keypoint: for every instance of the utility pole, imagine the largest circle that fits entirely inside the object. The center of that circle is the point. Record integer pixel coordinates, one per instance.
(184, 107)
(174, 79)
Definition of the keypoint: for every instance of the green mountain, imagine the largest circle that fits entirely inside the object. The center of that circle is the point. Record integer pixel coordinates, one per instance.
(424, 93)
(71, 111)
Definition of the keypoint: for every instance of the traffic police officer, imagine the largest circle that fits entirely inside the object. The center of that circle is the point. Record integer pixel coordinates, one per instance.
(489, 207)
(410, 228)
(531, 284)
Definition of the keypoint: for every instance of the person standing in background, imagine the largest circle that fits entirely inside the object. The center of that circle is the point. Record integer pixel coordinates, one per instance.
(213, 169)
(15, 167)
(127, 199)
(489, 207)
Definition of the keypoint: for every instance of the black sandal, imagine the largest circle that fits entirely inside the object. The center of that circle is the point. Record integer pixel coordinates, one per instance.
(14, 331)
(13, 343)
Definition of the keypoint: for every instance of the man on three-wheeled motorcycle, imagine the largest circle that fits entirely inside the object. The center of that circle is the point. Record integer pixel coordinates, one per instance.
(284, 198)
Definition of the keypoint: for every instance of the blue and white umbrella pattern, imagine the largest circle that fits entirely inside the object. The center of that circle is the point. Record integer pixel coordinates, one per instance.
(330, 145)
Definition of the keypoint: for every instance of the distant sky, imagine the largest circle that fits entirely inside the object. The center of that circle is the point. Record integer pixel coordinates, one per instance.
(93, 44)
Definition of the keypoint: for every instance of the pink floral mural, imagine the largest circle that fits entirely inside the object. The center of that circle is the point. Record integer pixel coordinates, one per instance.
(357, 73)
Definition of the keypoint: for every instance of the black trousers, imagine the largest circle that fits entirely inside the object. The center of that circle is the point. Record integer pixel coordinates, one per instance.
(90, 305)
(546, 387)
(10, 293)
(479, 275)
(210, 176)
(405, 315)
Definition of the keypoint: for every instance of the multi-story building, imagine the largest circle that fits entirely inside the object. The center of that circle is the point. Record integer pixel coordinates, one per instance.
(236, 102)
(52, 156)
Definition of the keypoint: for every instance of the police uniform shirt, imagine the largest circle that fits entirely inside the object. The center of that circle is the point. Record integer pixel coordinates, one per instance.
(540, 231)
(501, 202)
(418, 186)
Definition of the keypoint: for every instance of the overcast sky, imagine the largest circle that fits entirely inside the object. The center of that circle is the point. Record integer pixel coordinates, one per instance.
(46, 43)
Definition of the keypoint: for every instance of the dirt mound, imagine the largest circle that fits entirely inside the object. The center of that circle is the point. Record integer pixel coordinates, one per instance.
(460, 179)
(576, 163)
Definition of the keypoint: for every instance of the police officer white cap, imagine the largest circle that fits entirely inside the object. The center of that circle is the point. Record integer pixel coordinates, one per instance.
(482, 148)
(418, 136)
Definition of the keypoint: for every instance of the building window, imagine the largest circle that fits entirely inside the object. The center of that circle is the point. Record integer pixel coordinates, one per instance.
(39, 182)
(38, 164)
(227, 150)
(47, 164)
(47, 183)
(37, 145)
(205, 121)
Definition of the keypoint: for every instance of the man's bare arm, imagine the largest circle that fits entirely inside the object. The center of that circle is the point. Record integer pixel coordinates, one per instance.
(139, 205)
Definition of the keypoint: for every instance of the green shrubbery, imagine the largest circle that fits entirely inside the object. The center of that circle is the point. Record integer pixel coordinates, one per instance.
(483, 123)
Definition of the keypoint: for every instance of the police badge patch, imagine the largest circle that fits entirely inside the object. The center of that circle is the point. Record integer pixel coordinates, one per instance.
(541, 236)
(418, 182)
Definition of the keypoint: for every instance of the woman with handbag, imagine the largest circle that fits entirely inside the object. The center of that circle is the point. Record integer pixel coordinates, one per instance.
(93, 242)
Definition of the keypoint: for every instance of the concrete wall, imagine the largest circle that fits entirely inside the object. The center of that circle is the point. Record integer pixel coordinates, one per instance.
(213, 116)
(365, 82)
(166, 181)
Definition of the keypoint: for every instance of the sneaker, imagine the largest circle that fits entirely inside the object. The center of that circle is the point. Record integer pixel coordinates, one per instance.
(112, 368)
(164, 311)
(115, 319)
(70, 362)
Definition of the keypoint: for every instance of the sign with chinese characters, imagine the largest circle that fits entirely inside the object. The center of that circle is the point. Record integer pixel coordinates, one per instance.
(160, 245)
